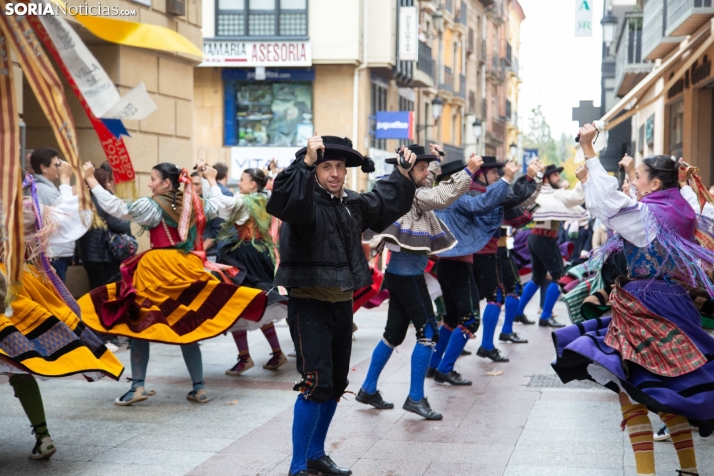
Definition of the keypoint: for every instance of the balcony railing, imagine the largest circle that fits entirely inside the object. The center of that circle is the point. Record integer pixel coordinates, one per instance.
(495, 69)
(655, 42)
(462, 86)
(630, 68)
(463, 14)
(448, 83)
(497, 129)
(425, 62)
(684, 17)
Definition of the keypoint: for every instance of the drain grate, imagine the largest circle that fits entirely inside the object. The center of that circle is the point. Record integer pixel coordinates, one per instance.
(553, 381)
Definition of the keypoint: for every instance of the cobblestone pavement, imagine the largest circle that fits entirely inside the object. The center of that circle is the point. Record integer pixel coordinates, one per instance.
(522, 422)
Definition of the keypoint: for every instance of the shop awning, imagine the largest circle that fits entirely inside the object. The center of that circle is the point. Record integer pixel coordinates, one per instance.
(631, 102)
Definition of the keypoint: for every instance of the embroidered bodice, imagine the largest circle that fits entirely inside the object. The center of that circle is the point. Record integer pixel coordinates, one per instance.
(651, 261)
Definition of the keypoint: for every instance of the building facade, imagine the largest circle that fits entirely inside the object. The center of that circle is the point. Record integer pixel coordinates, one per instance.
(664, 82)
(277, 71)
(164, 136)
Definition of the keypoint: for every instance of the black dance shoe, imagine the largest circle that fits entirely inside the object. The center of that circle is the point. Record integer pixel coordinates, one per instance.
(550, 323)
(430, 372)
(493, 354)
(523, 320)
(375, 400)
(304, 472)
(465, 352)
(421, 408)
(327, 467)
(453, 377)
(513, 338)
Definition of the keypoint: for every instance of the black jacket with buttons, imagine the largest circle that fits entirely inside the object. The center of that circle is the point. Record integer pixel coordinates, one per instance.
(320, 238)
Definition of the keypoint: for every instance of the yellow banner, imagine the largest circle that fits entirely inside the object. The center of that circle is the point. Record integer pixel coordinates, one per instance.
(139, 35)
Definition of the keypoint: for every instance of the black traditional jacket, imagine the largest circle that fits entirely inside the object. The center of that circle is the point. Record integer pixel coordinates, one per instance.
(320, 238)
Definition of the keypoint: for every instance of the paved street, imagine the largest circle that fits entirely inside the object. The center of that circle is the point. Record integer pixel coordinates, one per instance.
(500, 426)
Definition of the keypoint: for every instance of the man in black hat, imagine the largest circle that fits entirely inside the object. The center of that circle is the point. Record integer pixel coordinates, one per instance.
(411, 240)
(494, 284)
(322, 262)
(556, 205)
(473, 219)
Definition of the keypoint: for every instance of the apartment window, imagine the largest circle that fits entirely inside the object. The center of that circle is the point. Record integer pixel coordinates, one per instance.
(676, 128)
(472, 102)
(378, 102)
(268, 18)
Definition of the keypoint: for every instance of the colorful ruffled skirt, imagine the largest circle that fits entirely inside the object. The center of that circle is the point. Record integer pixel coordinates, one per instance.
(44, 337)
(653, 347)
(167, 296)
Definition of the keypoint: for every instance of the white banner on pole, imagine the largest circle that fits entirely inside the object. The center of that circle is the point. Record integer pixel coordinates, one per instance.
(408, 33)
(583, 18)
(94, 83)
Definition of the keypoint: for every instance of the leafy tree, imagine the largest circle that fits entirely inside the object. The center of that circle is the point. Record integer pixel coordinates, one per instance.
(539, 137)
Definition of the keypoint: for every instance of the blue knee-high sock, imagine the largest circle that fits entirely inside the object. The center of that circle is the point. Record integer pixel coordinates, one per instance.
(420, 361)
(305, 419)
(511, 312)
(453, 350)
(528, 291)
(551, 296)
(194, 364)
(444, 337)
(490, 321)
(380, 356)
(316, 450)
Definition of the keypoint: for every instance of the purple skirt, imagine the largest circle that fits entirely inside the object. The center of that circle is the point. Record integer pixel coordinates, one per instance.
(690, 395)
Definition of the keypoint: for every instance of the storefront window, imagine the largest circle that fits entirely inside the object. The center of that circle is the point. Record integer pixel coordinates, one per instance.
(676, 128)
(266, 18)
(267, 113)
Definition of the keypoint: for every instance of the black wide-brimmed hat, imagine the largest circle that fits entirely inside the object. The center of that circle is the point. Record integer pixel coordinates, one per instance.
(551, 169)
(420, 152)
(490, 162)
(338, 148)
(451, 167)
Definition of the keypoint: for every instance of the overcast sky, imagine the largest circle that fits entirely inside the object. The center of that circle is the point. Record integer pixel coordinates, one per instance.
(558, 69)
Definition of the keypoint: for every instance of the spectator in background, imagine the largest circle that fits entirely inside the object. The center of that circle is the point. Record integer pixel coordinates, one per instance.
(47, 169)
(101, 266)
(222, 178)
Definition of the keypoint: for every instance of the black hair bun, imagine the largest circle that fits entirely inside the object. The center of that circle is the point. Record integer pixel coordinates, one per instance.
(368, 165)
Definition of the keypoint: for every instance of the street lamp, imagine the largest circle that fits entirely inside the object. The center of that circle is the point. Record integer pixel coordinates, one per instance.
(608, 22)
(437, 107)
(513, 149)
(477, 125)
(438, 18)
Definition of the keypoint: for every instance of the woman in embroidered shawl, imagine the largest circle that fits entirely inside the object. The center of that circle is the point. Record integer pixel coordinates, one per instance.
(250, 247)
(653, 349)
(165, 294)
(41, 333)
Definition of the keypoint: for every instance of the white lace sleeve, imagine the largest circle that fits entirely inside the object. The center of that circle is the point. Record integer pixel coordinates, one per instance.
(617, 211)
(144, 211)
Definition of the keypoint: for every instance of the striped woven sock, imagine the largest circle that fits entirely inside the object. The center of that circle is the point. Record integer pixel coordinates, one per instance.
(641, 437)
(681, 432)
(241, 338)
(272, 336)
